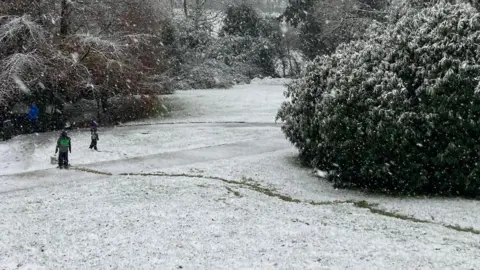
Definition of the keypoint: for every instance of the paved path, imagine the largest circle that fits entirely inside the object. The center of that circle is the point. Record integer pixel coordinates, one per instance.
(229, 195)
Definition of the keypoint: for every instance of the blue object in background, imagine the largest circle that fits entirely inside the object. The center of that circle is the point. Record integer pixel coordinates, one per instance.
(33, 113)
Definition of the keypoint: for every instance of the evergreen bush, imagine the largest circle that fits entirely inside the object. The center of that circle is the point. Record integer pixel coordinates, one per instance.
(398, 111)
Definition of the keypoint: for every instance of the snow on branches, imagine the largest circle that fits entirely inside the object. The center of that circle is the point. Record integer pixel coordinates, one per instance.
(397, 111)
(14, 30)
(110, 45)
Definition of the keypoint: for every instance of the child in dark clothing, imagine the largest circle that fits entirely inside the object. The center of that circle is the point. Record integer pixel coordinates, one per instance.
(64, 144)
(94, 135)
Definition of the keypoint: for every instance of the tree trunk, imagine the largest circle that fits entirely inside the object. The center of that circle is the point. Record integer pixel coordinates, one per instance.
(185, 9)
(197, 13)
(64, 19)
(289, 55)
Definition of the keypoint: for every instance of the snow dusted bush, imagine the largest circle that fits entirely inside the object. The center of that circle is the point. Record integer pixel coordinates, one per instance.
(58, 52)
(241, 20)
(251, 39)
(208, 74)
(323, 25)
(198, 65)
(245, 45)
(206, 60)
(128, 108)
(291, 64)
(250, 56)
(398, 111)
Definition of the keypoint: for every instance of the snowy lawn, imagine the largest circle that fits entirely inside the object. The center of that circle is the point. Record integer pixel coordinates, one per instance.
(31, 152)
(215, 185)
(172, 222)
(257, 102)
(281, 172)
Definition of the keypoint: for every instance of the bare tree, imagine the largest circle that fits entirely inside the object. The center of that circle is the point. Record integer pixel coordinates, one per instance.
(109, 46)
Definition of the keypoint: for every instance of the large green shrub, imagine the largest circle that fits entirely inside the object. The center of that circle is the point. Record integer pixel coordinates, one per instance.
(251, 39)
(399, 111)
(241, 20)
(323, 25)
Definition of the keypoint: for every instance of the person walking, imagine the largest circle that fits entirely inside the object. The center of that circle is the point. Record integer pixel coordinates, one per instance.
(33, 117)
(94, 135)
(64, 146)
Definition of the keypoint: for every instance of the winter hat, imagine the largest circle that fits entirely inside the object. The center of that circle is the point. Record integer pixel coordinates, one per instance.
(93, 124)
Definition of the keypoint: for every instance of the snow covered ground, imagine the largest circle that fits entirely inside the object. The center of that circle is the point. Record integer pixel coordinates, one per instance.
(214, 185)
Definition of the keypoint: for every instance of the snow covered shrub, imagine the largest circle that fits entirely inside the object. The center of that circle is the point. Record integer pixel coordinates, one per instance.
(255, 56)
(241, 20)
(252, 40)
(399, 111)
(323, 25)
(197, 63)
(207, 74)
(128, 108)
(290, 64)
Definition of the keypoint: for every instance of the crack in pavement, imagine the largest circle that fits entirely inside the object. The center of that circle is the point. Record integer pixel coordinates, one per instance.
(244, 183)
(87, 170)
(249, 184)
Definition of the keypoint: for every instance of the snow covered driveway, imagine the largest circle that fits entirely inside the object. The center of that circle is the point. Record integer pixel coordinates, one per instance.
(212, 186)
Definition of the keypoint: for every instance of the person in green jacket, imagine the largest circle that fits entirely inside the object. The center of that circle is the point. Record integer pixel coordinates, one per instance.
(64, 146)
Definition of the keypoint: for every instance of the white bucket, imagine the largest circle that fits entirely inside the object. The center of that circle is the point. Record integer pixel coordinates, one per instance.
(53, 160)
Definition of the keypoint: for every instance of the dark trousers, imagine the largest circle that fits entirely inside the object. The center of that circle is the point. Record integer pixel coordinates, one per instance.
(34, 125)
(93, 144)
(62, 159)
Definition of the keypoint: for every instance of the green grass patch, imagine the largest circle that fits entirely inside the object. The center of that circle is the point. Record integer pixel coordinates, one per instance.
(373, 208)
(462, 229)
(330, 202)
(236, 193)
(90, 171)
